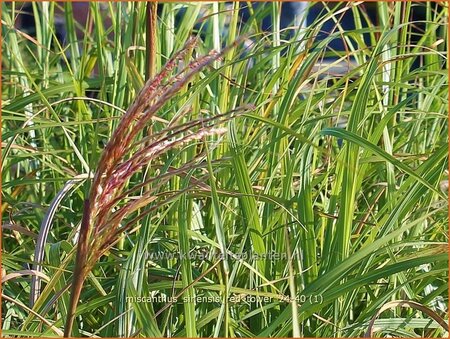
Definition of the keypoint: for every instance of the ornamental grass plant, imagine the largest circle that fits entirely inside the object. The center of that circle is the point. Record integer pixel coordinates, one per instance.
(201, 177)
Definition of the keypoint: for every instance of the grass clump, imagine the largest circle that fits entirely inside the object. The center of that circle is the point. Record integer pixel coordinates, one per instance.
(254, 191)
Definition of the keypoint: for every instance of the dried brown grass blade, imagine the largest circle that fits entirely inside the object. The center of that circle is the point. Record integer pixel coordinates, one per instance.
(404, 303)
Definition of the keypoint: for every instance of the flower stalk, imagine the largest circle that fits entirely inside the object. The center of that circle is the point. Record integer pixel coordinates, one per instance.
(104, 220)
